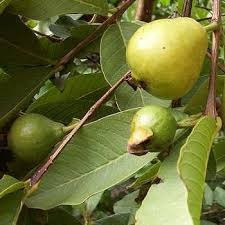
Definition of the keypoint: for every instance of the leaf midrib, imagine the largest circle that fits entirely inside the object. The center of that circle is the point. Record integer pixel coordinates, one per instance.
(26, 51)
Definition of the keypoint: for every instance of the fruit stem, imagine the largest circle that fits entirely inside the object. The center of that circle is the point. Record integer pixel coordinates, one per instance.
(138, 141)
(189, 122)
(67, 129)
(212, 26)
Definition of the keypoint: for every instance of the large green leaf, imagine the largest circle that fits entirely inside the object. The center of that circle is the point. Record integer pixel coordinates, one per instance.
(113, 62)
(94, 160)
(78, 96)
(166, 202)
(10, 207)
(171, 201)
(113, 50)
(4, 4)
(18, 44)
(192, 163)
(9, 184)
(44, 9)
(18, 90)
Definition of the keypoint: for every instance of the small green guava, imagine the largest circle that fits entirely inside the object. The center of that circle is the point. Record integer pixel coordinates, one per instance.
(152, 129)
(32, 136)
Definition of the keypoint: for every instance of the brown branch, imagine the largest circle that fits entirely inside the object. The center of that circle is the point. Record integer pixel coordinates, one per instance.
(144, 10)
(121, 9)
(59, 147)
(220, 65)
(211, 101)
(186, 12)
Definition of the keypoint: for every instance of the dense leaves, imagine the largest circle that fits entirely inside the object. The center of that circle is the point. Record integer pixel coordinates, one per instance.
(94, 181)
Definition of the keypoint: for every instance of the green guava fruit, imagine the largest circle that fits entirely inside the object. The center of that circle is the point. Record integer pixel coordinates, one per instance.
(32, 136)
(166, 56)
(152, 129)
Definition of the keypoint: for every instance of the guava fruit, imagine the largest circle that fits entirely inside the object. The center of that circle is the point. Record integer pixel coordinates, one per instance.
(166, 56)
(152, 129)
(32, 136)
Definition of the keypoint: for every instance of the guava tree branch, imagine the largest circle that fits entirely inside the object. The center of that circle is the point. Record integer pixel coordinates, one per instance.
(70, 55)
(41, 170)
(211, 101)
(220, 65)
(144, 10)
(186, 12)
(59, 147)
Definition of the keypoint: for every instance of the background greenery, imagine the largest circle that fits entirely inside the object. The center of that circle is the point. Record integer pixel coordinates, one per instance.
(95, 181)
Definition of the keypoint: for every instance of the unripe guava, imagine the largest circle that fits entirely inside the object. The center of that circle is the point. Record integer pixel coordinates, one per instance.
(32, 136)
(166, 56)
(152, 129)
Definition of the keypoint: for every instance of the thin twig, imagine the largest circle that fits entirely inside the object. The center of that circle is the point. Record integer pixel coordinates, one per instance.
(144, 10)
(211, 101)
(51, 38)
(122, 8)
(220, 65)
(59, 147)
(186, 12)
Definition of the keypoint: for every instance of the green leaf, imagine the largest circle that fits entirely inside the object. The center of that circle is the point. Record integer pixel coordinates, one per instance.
(4, 4)
(117, 219)
(92, 202)
(113, 62)
(79, 94)
(61, 217)
(148, 175)
(192, 163)
(10, 184)
(127, 204)
(18, 44)
(10, 207)
(219, 196)
(44, 9)
(77, 33)
(198, 100)
(127, 98)
(172, 199)
(166, 202)
(219, 154)
(95, 154)
(19, 89)
(208, 196)
(113, 50)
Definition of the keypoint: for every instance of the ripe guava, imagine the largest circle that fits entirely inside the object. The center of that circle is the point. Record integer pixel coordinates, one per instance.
(166, 56)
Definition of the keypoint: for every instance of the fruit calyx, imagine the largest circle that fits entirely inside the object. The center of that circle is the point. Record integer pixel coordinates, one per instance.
(138, 141)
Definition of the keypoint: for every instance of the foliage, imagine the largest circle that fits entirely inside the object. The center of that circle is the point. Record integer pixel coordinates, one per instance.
(94, 180)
